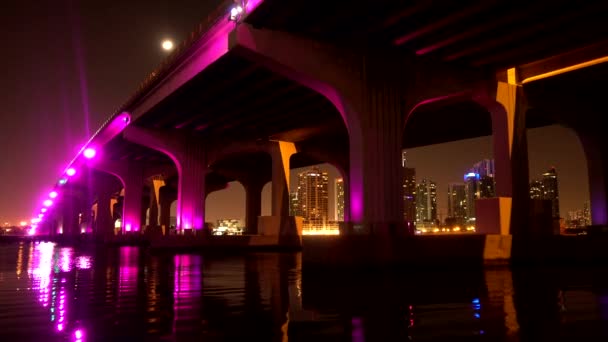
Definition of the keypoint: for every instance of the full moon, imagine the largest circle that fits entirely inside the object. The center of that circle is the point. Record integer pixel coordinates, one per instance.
(167, 45)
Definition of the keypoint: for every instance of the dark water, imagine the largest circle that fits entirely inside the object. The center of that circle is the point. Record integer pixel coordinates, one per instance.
(50, 293)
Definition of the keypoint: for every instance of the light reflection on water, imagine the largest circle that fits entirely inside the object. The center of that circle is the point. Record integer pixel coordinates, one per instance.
(72, 294)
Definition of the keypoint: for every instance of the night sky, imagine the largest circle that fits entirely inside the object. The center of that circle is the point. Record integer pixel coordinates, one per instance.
(68, 65)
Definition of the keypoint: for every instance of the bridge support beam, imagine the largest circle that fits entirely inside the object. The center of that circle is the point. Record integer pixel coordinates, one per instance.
(253, 204)
(104, 226)
(70, 217)
(166, 196)
(152, 212)
(509, 212)
(189, 158)
(287, 228)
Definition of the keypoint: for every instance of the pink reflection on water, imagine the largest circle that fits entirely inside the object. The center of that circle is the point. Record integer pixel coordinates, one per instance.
(357, 331)
(127, 271)
(187, 288)
(66, 259)
(41, 273)
(83, 262)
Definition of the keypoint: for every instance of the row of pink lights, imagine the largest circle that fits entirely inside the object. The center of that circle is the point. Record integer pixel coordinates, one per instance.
(88, 153)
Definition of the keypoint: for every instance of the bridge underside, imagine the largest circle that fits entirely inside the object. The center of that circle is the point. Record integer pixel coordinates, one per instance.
(243, 99)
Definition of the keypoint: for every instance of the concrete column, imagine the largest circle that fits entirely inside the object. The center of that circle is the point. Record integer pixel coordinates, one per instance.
(132, 177)
(153, 205)
(189, 157)
(145, 205)
(103, 221)
(253, 204)
(508, 213)
(132, 204)
(375, 175)
(166, 196)
(597, 169)
(70, 217)
(280, 177)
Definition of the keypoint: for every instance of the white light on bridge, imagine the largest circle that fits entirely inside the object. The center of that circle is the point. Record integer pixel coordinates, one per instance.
(89, 153)
(235, 13)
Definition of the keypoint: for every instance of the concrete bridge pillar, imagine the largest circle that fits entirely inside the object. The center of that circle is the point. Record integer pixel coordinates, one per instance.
(153, 206)
(104, 226)
(253, 204)
(188, 155)
(132, 205)
(132, 176)
(145, 205)
(281, 154)
(166, 196)
(70, 217)
(509, 212)
(287, 228)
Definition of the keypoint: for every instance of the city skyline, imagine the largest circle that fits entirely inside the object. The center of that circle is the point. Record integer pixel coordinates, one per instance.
(458, 157)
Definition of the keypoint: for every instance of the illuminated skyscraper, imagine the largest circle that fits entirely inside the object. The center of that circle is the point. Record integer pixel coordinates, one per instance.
(471, 182)
(546, 189)
(536, 189)
(586, 214)
(426, 201)
(479, 183)
(312, 195)
(409, 190)
(339, 198)
(486, 187)
(484, 168)
(550, 190)
(409, 194)
(457, 202)
(294, 205)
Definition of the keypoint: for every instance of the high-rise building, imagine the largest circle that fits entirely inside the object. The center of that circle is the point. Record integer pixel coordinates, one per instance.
(479, 183)
(550, 190)
(586, 214)
(312, 195)
(339, 198)
(457, 203)
(471, 182)
(426, 201)
(484, 168)
(409, 194)
(536, 189)
(486, 187)
(294, 204)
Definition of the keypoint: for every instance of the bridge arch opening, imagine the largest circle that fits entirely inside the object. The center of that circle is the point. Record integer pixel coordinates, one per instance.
(317, 191)
(575, 100)
(225, 210)
(448, 164)
(559, 182)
